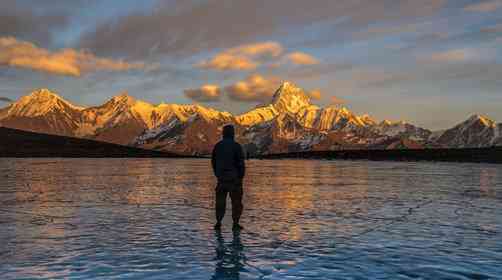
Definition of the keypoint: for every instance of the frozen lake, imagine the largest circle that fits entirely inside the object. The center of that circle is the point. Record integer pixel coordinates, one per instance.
(153, 218)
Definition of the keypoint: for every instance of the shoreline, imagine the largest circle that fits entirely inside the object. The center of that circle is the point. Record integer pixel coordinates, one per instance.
(475, 155)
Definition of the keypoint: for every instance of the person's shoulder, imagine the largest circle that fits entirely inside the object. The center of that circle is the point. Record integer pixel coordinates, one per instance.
(237, 145)
(218, 144)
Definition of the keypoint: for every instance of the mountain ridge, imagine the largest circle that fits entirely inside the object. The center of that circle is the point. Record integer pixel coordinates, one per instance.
(288, 123)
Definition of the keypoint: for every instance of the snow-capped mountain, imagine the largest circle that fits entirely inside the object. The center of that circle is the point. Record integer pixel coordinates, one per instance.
(193, 130)
(288, 123)
(403, 130)
(288, 99)
(477, 131)
(123, 118)
(42, 111)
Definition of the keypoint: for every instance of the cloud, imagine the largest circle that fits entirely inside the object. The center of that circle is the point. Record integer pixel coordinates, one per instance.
(244, 57)
(5, 99)
(257, 88)
(70, 62)
(492, 29)
(183, 28)
(336, 101)
(206, 93)
(456, 55)
(315, 94)
(254, 88)
(24, 22)
(484, 7)
(300, 58)
(222, 62)
(251, 56)
(272, 49)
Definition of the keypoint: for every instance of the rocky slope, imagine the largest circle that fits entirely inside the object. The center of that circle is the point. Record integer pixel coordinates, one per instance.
(289, 123)
(42, 111)
(477, 131)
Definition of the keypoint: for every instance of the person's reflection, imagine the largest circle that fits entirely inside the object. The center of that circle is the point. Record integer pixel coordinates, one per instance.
(229, 259)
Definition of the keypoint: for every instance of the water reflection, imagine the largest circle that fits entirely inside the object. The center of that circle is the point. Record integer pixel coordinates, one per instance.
(487, 181)
(141, 218)
(229, 258)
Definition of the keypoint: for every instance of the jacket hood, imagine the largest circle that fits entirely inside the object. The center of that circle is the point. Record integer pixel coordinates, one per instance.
(228, 132)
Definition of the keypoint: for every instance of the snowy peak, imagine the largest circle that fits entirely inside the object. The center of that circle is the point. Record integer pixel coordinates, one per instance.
(258, 115)
(290, 98)
(123, 98)
(391, 123)
(367, 120)
(119, 110)
(43, 94)
(481, 120)
(477, 131)
(41, 102)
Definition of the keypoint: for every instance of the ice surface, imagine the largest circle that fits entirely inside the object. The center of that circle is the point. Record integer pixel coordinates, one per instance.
(152, 219)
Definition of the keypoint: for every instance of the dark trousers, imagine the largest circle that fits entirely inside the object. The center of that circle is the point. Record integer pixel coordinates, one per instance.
(235, 191)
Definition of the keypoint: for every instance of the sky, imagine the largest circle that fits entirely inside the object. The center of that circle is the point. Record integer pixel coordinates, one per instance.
(429, 62)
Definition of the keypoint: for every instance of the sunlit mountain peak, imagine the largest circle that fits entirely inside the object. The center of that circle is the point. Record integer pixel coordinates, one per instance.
(123, 97)
(40, 102)
(43, 93)
(481, 119)
(290, 98)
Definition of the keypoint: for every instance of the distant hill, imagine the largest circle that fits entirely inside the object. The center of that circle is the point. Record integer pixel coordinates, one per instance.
(19, 143)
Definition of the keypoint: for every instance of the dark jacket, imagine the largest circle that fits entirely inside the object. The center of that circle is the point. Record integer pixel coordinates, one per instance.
(228, 161)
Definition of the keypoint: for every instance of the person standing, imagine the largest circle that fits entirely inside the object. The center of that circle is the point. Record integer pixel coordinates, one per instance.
(229, 168)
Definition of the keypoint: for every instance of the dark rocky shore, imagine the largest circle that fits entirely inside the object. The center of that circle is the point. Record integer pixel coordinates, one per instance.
(19, 143)
(485, 155)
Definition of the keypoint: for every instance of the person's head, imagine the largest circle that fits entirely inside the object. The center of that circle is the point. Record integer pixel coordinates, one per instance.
(228, 131)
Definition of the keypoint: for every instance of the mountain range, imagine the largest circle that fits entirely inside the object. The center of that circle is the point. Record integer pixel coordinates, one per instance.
(288, 123)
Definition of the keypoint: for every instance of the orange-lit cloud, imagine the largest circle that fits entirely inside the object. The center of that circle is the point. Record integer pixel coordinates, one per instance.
(484, 7)
(457, 55)
(300, 58)
(70, 62)
(206, 93)
(223, 61)
(245, 57)
(315, 94)
(336, 101)
(272, 49)
(257, 88)
(254, 88)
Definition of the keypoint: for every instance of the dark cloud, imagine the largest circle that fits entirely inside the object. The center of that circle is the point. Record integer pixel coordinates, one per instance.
(187, 27)
(5, 99)
(24, 22)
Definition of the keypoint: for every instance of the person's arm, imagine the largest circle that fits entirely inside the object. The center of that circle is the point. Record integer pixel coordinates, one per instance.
(241, 165)
(213, 160)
